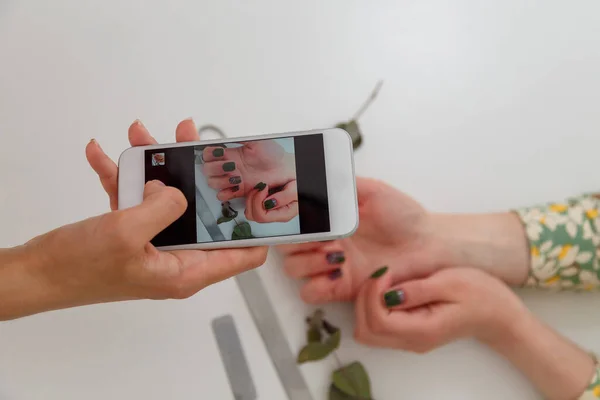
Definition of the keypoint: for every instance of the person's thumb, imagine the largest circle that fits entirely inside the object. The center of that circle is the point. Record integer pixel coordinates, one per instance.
(162, 205)
(415, 293)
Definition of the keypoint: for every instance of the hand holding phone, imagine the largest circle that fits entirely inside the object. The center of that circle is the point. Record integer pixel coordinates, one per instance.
(255, 191)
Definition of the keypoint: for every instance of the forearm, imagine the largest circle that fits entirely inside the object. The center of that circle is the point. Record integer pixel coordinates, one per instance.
(22, 292)
(555, 245)
(495, 243)
(557, 367)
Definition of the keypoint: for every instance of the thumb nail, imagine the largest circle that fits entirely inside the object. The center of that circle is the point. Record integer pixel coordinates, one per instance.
(156, 182)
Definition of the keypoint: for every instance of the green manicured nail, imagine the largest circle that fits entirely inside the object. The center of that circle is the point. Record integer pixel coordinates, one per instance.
(271, 203)
(393, 298)
(260, 186)
(218, 152)
(229, 166)
(379, 272)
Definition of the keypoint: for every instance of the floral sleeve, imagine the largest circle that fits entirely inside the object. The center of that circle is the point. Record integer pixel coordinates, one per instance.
(564, 241)
(593, 391)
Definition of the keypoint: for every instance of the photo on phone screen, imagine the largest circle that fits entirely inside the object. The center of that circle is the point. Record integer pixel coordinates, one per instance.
(244, 189)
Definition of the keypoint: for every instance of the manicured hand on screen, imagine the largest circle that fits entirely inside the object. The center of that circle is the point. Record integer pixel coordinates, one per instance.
(281, 206)
(234, 172)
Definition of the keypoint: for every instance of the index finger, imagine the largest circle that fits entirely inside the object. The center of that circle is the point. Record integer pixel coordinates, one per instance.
(204, 268)
(139, 135)
(186, 131)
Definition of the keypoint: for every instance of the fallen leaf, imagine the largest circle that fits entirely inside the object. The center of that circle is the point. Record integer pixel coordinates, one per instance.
(337, 394)
(319, 350)
(353, 380)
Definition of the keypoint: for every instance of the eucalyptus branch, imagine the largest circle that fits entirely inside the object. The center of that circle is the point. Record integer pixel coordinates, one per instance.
(369, 101)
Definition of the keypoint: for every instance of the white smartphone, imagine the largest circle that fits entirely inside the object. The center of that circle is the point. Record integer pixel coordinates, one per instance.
(252, 191)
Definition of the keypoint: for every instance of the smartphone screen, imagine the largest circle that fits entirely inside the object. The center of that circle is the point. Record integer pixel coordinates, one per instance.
(244, 190)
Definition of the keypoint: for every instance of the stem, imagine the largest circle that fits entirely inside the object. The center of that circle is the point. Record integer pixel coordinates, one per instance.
(369, 100)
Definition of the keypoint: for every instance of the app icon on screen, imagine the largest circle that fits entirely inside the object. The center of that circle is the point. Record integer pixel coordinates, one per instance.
(158, 159)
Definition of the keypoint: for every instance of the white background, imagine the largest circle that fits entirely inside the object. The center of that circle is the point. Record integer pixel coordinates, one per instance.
(486, 105)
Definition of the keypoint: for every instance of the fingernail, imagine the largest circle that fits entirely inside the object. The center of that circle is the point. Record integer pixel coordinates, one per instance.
(379, 272)
(92, 140)
(394, 298)
(335, 258)
(260, 186)
(229, 166)
(235, 180)
(235, 188)
(138, 122)
(335, 274)
(157, 182)
(271, 203)
(219, 153)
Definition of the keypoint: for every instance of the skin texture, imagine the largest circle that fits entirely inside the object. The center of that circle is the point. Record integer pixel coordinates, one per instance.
(397, 231)
(109, 257)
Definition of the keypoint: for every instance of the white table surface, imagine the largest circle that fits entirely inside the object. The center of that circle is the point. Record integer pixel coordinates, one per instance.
(485, 106)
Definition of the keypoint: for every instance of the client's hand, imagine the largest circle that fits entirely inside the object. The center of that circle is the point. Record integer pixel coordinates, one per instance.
(281, 206)
(420, 315)
(394, 230)
(423, 314)
(397, 231)
(234, 172)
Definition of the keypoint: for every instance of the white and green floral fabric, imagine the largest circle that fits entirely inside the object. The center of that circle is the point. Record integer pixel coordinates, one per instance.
(564, 241)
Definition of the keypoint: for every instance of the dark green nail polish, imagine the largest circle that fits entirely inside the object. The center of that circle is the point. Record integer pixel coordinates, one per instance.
(235, 188)
(260, 186)
(379, 272)
(235, 180)
(229, 166)
(335, 258)
(393, 298)
(271, 203)
(218, 152)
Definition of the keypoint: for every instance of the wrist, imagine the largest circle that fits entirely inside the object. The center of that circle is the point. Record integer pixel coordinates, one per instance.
(556, 366)
(495, 243)
(23, 288)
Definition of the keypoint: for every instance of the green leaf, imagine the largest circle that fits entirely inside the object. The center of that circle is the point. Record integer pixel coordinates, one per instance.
(313, 335)
(337, 394)
(353, 380)
(222, 220)
(318, 351)
(242, 231)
